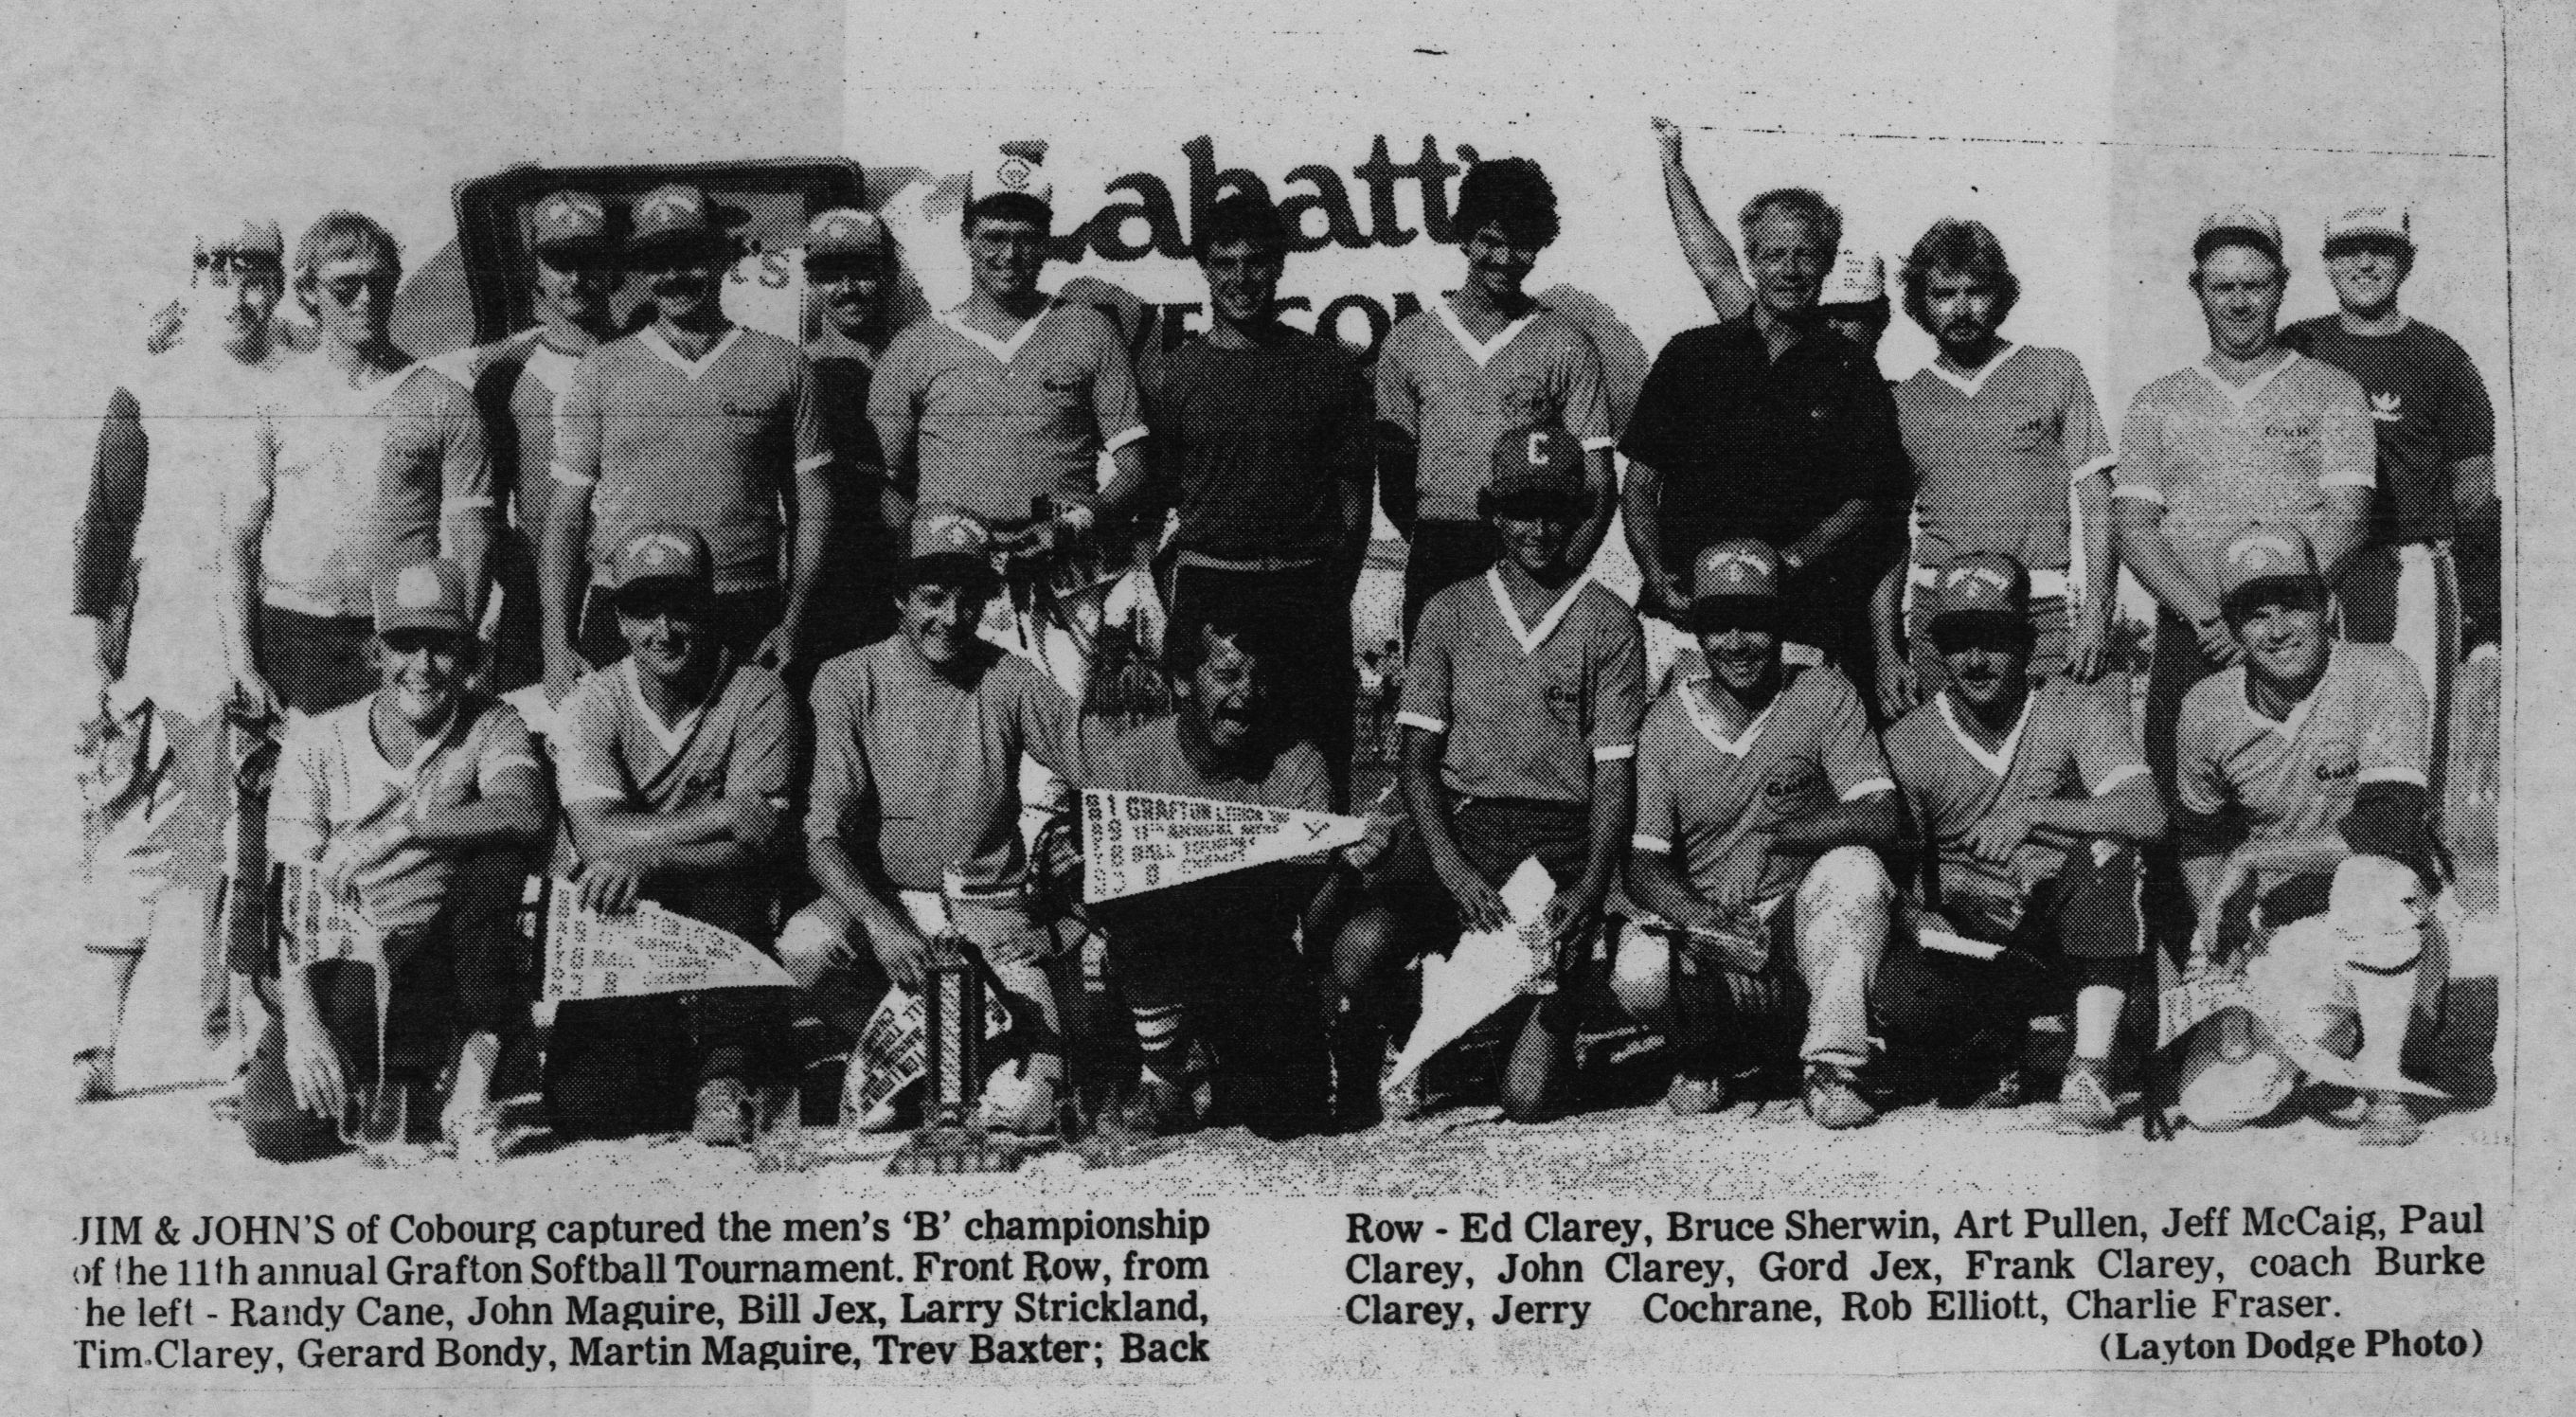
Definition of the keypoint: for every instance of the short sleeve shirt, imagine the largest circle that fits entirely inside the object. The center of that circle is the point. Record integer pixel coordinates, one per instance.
(918, 770)
(2428, 408)
(712, 444)
(1256, 445)
(991, 424)
(1996, 453)
(2219, 456)
(1752, 447)
(332, 780)
(517, 382)
(2364, 722)
(360, 480)
(2073, 740)
(1457, 395)
(1526, 709)
(611, 747)
(1713, 802)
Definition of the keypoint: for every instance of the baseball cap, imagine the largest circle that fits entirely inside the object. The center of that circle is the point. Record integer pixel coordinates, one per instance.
(1857, 279)
(2237, 224)
(844, 231)
(1735, 582)
(1981, 590)
(661, 560)
(949, 544)
(2266, 561)
(1536, 466)
(426, 595)
(677, 215)
(2382, 223)
(254, 241)
(1019, 166)
(574, 223)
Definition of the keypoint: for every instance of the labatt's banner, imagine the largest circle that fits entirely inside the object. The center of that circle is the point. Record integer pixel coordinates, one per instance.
(1143, 841)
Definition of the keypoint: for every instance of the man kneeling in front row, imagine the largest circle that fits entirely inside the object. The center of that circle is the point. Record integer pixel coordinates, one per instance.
(2031, 801)
(2301, 784)
(1761, 800)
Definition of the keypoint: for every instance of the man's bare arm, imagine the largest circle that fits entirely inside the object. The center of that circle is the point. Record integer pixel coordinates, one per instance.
(1704, 244)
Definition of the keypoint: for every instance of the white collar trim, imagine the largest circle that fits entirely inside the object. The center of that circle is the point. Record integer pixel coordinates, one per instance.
(2000, 761)
(2245, 393)
(1704, 718)
(1001, 349)
(1969, 384)
(673, 737)
(1483, 353)
(2288, 727)
(692, 368)
(1531, 636)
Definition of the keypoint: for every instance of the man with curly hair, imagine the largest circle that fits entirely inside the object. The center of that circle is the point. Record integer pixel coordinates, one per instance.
(1485, 359)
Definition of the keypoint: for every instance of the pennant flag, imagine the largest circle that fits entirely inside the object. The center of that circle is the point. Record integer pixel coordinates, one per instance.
(893, 1052)
(320, 926)
(649, 950)
(1489, 969)
(2188, 1004)
(1145, 841)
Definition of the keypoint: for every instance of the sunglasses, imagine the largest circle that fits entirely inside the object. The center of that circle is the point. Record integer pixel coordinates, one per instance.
(416, 641)
(345, 290)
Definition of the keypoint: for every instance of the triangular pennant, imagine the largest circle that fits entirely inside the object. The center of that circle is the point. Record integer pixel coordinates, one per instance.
(1146, 841)
(648, 950)
(1487, 970)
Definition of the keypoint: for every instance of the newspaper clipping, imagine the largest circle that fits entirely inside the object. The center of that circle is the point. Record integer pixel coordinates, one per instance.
(1024, 707)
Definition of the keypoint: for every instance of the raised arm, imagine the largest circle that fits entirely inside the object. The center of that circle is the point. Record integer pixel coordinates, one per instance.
(1704, 244)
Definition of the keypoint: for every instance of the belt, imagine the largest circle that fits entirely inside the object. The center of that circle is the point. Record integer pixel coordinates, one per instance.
(2415, 553)
(1205, 562)
(2045, 583)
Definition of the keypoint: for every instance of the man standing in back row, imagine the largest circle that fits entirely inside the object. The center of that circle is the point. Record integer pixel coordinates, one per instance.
(695, 422)
(2436, 435)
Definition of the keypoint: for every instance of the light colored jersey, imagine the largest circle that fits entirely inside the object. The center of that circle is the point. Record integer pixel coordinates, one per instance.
(2073, 740)
(713, 444)
(1995, 455)
(360, 480)
(991, 424)
(1713, 801)
(333, 780)
(1457, 395)
(2219, 456)
(1526, 709)
(2364, 722)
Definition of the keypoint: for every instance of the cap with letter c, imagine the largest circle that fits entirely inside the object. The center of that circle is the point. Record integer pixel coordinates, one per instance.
(1537, 466)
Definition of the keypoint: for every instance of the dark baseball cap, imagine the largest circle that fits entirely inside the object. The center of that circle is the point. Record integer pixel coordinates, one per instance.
(426, 596)
(1537, 467)
(570, 223)
(659, 563)
(2267, 563)
(1736, 583)
(949, 545)
(1980, 593)
(677, 217)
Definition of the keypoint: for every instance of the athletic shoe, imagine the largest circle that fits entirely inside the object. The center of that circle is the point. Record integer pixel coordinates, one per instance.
(2387, 1122)
(2011, 1089)
(93, 1075)
(2084, 1101)
(1161, 1108)
(721, 1102)
(1695, 1096)
(1833, 1098)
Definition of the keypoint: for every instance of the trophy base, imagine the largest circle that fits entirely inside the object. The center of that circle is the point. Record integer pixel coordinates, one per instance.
(960, 1151)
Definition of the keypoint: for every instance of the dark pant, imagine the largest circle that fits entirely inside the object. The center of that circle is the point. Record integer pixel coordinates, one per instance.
(1442, 554)
(1249, 998)
(1496, 836)
(316, 662)
(738, 619)
(2177, 664)
(1302, 619)
(619, 1067)
(420, 1031)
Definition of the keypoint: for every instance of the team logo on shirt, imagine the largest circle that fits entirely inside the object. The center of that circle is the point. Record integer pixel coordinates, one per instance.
(2336, 760)
(2388, 408)
(1790, 781)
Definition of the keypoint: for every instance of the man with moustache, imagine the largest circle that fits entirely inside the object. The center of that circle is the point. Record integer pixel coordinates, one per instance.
(365, 459)
(2010, 459)
(1484, 359)
(1214, 962)
(397, 799)
(677, 767)
(697, 422)
(914, 823)
(2030, 797)
(2251, 432)
(145, 573)
(1762, 803)
(850, 270)
(1262, 442)
(1774, 427)
(2302, 791)
(516, 383)
(1008, 399)
(2436, 436)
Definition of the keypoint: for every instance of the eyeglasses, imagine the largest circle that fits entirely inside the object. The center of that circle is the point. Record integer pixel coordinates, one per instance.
(345, 290)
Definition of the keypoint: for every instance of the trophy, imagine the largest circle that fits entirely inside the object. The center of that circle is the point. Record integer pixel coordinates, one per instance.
(952, 1138)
